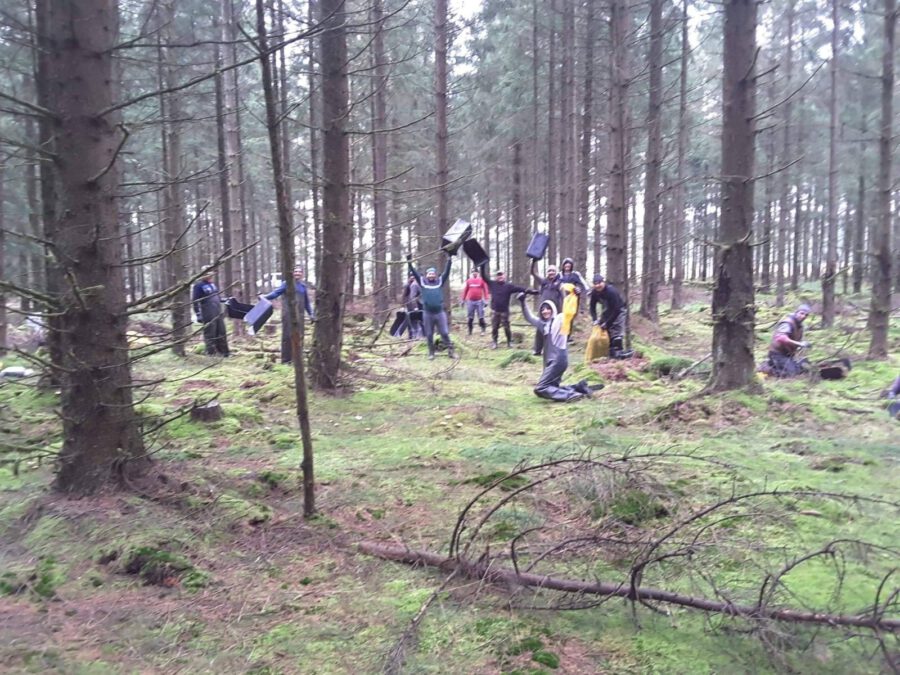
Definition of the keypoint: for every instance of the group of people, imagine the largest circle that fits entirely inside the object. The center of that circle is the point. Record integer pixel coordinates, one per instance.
(560, 295)
(207, 302)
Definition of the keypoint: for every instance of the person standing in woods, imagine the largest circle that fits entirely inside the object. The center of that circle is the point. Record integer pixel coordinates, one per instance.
(787, 341)
(549, 291)
(433, 314)
(302, 296)
(501, 293)
(475, 292)
(208, 310)
(555, 327)
(568, 275)
(411, 303)
(893, 395)
(615, 314)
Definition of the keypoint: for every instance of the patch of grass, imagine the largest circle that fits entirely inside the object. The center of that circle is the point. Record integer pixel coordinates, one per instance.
(509, 484)
(518, 356)
(636, 507)
(668, 365)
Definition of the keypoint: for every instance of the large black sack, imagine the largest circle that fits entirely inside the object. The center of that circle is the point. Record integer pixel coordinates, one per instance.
(256, 318)
(456, 235)
(538, 246)
(475, 252)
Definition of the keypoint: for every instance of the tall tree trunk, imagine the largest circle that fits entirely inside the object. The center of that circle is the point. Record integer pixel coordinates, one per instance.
(565, 127)
(223, 168)
(286, 241)
(3, 330)
(680, 230)
(176, 262)
(831, 258)
(650, 263)
(587, 121)
(617, 221)
(379, 165)
(733, 310)
(859, 237)
(551, 137)
(442, 171)
(337, 231)
(244, 267)
(314, 104)
(100, 431)
(880, 311)
(519, 225)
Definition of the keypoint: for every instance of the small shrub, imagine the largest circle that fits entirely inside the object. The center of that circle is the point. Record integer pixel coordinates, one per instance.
(668, 365)
(518, 356)
(545, 658)
(509, 484)
(635, 507)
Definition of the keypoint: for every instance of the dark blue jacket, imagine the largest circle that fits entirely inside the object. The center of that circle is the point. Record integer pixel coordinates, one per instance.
(207, 301)
(301, 291)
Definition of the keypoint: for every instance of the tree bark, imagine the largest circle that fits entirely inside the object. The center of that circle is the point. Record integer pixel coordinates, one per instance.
(859, 237)
(831, 257)
(379, 165)
(3, 330)
(519, 226)
(617, 221)
(337, 231)
(100, 430)
(733, 310)
(680, 229)
(587, 121)
(650, 262)
(880, 310)
(442, 171)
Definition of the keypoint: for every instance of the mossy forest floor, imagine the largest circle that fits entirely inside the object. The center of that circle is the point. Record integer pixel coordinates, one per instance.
(208, 566)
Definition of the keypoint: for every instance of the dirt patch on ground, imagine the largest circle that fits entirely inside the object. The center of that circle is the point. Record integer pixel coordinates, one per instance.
(706, 411)
(619, 370)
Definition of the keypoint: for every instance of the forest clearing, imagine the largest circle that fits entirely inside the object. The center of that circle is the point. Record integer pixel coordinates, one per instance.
(233, 579)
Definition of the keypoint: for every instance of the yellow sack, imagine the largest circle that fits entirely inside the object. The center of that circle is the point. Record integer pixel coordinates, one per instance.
(597, 345)
(569, 308)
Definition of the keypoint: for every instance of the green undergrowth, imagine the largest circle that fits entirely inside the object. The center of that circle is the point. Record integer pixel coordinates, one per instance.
(226, 575)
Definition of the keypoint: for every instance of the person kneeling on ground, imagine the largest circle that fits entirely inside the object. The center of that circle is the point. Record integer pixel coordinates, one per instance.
(554, 327)
(433, 314)
(787, 340)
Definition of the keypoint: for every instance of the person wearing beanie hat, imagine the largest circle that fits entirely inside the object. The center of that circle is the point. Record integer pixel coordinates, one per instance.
(208, 310)
(787, 341)
(615, 314)
(432, 296)
(474, 294)
(501, 292)
(552, 326)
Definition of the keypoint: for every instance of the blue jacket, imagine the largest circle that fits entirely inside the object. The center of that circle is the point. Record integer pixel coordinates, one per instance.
(301, 291)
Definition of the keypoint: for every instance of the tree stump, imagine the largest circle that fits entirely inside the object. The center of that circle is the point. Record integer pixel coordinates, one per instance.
(209, 412)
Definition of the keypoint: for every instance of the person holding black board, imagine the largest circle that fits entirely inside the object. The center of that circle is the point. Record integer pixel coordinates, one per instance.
(302, 297)
(432, 297)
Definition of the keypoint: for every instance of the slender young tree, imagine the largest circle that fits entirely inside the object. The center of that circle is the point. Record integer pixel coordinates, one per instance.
(379, 164)
(617, 216)
(733, 310)
(286, 241)
(880, 311)
(784, 202)
(101, 438)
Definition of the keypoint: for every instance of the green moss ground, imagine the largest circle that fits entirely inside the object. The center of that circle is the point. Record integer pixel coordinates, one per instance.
(397, 456)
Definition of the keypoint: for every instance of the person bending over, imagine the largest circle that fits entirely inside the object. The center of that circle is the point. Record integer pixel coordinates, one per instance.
(555, 330)
(615, 314)
(433, 313)
(787, 340)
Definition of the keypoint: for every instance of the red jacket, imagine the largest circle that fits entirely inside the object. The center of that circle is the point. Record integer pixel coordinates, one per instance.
(475, 289)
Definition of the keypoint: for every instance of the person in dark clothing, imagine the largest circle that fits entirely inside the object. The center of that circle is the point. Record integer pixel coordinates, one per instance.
(615, 313)
(411, 302)
(787, 340)
(208, 311)
(893, 395)
(433, 314)
(501, 293)
(302, 298)
(552, 325)
(549, 289)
